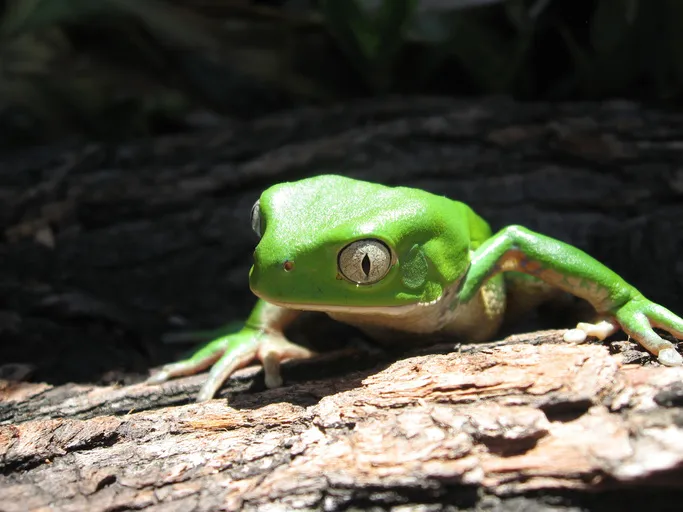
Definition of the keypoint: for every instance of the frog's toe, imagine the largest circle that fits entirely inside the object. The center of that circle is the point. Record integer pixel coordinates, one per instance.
(271, 371)
(601, 330)
(275, 350)
(574, 336)
(670, 357)
(180, 369)
(239, 355)
(158, 377)
(197, 363)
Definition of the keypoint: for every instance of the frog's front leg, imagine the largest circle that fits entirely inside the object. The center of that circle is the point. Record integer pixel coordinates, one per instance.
(619, 304)
(261, 339)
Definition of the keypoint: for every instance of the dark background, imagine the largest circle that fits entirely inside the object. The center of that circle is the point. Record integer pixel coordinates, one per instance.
(136, 134)
(122, 69)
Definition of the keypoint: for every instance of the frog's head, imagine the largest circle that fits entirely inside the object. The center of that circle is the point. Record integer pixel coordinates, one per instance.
(335, 243)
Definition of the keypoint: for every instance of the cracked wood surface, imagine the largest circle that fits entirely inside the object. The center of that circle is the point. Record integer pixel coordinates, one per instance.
(104, 248)
(507, 418)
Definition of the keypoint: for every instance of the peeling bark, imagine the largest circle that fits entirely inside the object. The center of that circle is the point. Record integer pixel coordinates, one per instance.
(106, 248)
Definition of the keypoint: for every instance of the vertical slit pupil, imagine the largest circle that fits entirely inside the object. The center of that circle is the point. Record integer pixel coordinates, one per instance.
(365, 265)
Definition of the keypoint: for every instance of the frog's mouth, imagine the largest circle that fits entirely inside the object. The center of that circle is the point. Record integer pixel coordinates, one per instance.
(447, 297)
(399, 310)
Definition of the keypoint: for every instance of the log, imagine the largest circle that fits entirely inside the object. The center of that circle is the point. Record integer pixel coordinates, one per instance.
(107, 247)
(487, 425)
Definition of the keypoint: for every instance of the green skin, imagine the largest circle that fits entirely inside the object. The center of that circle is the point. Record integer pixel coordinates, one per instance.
(443, 274)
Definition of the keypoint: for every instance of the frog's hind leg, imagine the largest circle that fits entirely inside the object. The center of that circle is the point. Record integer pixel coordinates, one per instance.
(526, 292)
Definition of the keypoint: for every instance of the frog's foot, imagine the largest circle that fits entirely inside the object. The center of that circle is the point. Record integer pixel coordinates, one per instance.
(637, 319)
(601, 329)
(639, 316)
(270, 349)
(232, 352)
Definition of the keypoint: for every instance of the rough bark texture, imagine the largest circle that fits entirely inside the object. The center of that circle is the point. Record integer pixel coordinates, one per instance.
(487, 427)
(106, 248)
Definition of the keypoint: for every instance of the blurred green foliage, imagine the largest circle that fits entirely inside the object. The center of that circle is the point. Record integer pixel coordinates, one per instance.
(112, 69)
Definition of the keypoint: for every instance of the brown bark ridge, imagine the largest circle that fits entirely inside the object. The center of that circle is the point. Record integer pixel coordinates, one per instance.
(105, 247)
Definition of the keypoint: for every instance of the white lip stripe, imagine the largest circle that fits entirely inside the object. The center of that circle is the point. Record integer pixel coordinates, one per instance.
(360, 310)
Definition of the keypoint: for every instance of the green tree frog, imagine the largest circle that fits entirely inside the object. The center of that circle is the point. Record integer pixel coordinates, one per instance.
(399, 262)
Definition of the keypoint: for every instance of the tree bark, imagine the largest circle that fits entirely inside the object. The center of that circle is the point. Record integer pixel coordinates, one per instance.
(107, 247)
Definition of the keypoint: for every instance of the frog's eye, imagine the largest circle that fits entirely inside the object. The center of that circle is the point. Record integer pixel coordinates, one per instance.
(256, 218)
(364, 261)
